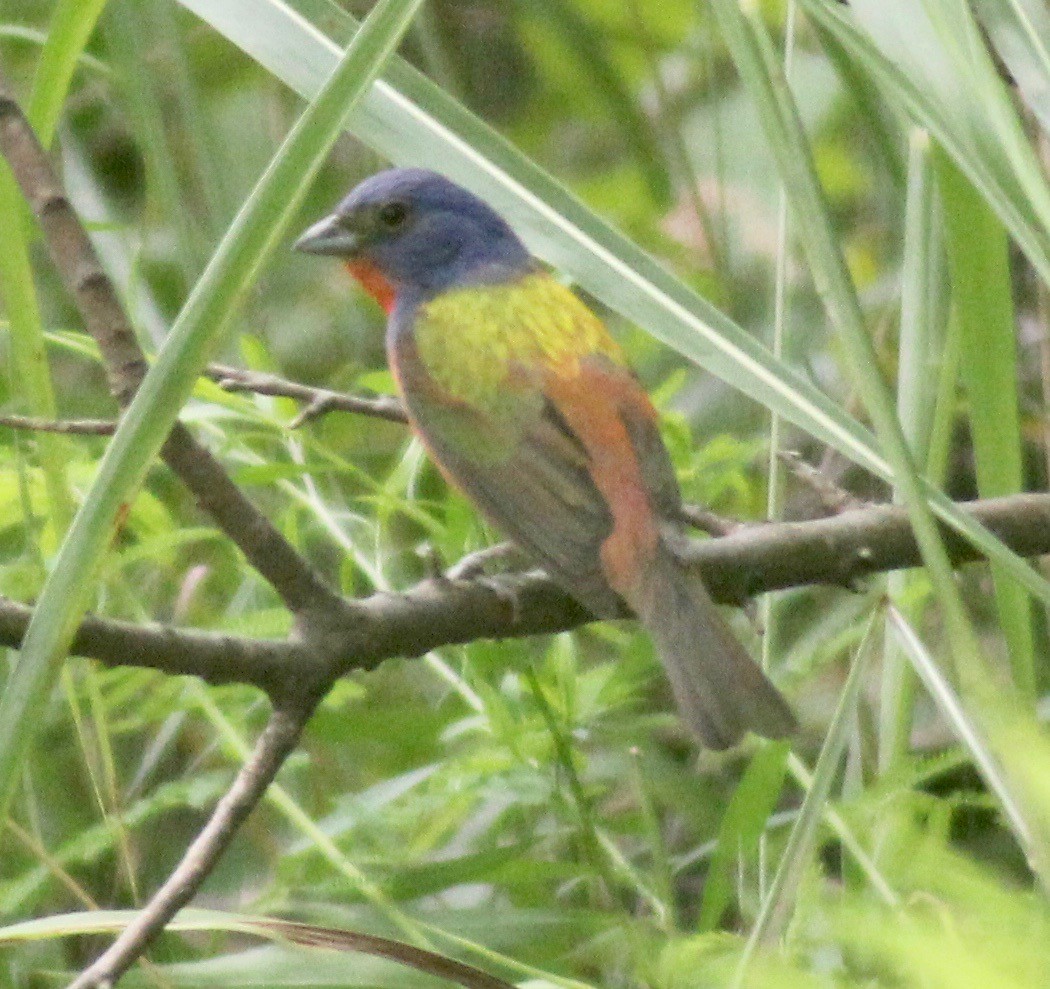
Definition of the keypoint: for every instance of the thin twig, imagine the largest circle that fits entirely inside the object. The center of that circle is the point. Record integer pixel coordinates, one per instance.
(833, 498)
(83, 427)
(274, 745)
(317, 400)
(476, 563)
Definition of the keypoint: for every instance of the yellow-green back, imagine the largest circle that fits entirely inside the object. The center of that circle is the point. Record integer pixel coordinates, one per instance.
(470, 339)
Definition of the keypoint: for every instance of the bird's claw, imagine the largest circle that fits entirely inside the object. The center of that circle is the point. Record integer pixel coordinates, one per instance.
(473, 564)
(505, 593)
(432, 560)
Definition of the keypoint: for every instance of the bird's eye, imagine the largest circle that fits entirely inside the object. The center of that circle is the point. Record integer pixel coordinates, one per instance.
(392, 215)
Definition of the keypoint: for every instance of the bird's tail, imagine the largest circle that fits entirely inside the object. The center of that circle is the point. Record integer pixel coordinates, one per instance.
(720, 690)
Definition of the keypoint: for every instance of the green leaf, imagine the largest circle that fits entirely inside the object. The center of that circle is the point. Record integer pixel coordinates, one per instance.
(742, 824)
(72, 25)
(752, 51)
(978, 256)
(776, 907)
(929, 59)
(1020, 32)
(991, 740)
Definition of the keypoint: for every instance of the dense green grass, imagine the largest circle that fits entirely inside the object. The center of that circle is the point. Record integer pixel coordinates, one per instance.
(858, 245)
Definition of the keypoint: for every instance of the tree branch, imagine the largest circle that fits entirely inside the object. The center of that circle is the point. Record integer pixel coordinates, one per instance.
(361, 634)
(214, 657)
(274, 745)
(317, 400)
(82, 427)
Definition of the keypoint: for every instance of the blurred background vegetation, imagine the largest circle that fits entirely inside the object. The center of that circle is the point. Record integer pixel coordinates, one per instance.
(533, 806)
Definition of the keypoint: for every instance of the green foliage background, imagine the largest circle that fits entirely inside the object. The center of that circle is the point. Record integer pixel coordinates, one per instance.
(532, 807)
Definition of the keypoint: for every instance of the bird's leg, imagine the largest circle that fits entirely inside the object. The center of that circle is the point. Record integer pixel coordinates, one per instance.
(504, 591)
(474, 564)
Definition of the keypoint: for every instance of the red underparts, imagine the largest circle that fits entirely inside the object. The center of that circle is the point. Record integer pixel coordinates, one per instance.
(372, 281)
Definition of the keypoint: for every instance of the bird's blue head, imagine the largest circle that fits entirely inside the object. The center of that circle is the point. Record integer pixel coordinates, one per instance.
(418, 233)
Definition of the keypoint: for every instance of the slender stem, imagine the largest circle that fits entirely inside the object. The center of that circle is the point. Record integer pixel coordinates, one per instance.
(275, 744)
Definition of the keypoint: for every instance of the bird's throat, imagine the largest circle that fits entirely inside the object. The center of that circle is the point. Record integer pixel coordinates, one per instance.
(372, 280)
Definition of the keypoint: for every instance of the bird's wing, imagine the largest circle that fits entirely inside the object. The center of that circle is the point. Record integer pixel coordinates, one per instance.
(529, 476)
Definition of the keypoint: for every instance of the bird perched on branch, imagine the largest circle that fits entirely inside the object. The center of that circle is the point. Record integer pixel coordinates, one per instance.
(527, 405)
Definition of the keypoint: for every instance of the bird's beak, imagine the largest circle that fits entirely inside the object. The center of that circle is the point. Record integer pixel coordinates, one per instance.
(329, 236)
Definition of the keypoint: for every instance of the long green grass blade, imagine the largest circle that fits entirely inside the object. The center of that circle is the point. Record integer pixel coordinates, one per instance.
(982, 292)
(919, 366)
(409, 120)
(1020, 32)
(929, 59)
(255, 231)
(1028, 814)
(31, 375)
(752, 51)
(71, 26)
(743, 824)
(776, 907)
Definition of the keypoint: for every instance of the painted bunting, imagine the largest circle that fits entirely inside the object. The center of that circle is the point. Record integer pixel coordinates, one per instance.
(527, 405)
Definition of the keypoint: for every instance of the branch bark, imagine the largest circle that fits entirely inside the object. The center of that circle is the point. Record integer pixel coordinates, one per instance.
(72, 427)
(361, 634)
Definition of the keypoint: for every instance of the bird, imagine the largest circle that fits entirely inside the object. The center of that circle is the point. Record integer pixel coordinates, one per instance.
(528, 406)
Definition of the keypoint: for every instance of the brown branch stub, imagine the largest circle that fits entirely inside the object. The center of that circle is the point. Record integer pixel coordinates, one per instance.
(317, 400)
(833, 498)
(703, 519)
(273, 747)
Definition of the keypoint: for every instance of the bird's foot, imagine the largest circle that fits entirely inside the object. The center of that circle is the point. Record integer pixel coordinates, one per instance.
(474, 564)
(505, 593)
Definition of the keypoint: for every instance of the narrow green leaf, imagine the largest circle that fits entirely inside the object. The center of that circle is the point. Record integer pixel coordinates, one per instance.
(744, 821)
(920, 365)
(751, 49)
(983, 295)
(929, 59)
(776, 907)
(1027, 816)
(72, 25)
(586, 44)
(30, 372)
(255, 231)
(1020, 31)
(309, 937)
